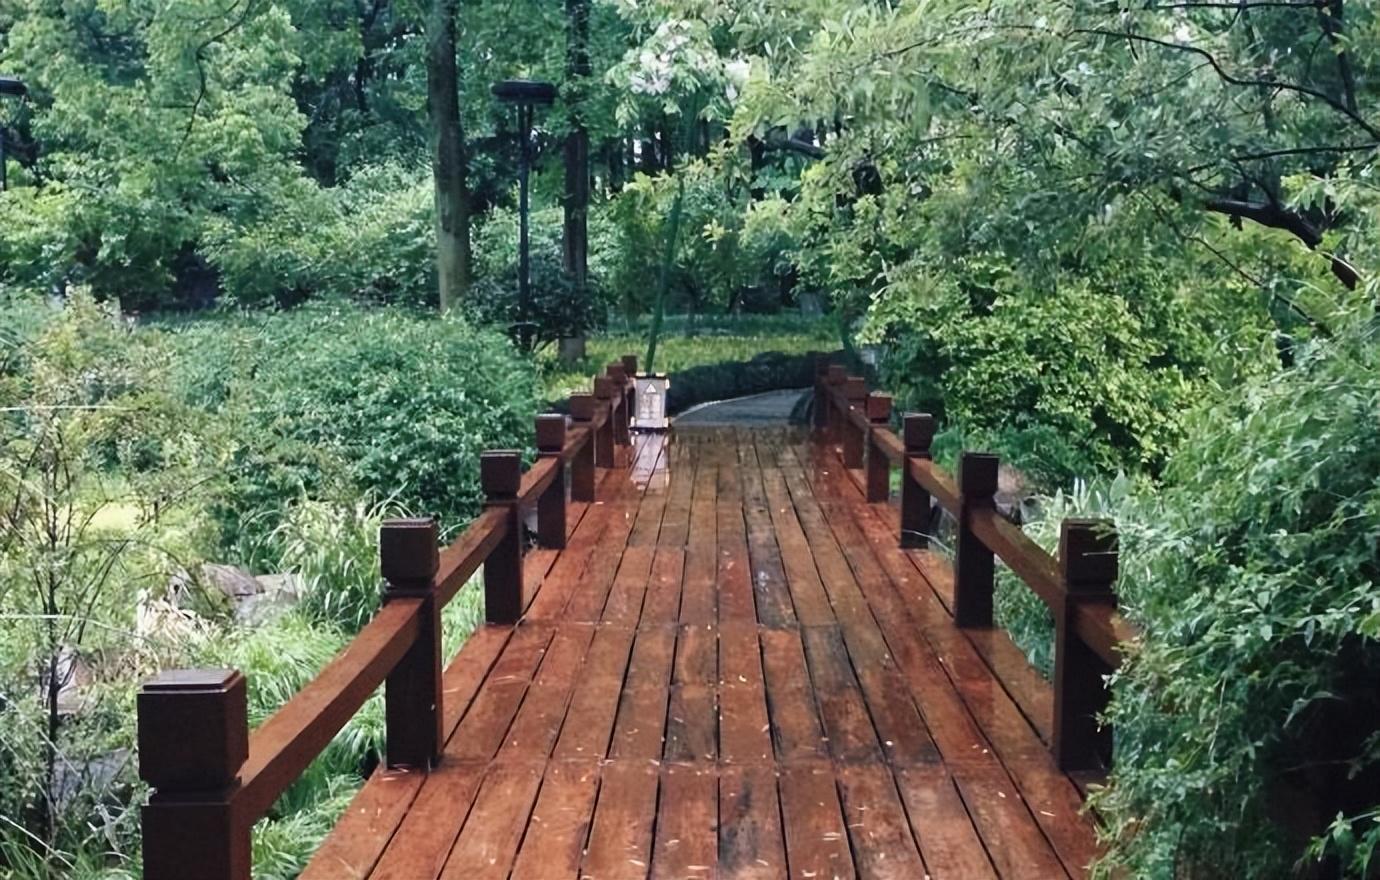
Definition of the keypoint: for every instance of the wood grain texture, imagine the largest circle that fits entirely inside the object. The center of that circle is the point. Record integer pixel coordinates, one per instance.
(731, 670)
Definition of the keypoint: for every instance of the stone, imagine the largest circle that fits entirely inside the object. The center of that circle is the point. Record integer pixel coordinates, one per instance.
(231, 581)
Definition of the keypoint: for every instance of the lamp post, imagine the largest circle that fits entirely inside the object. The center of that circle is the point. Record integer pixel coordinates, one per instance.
(526, 94)
(10, 87)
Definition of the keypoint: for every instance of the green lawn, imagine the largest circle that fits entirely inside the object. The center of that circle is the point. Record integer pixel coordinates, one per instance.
(711, 341)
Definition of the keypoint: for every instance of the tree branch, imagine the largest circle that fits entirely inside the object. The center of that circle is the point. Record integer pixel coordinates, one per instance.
(1226, 76)
(1277, 217)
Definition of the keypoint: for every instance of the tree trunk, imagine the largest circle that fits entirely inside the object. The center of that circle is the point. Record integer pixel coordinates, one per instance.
(576, 200)
(447, 156)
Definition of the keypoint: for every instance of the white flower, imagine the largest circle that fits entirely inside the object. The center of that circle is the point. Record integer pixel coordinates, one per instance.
(737, 71)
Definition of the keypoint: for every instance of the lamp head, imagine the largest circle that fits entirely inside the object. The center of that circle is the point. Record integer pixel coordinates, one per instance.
(525, 91)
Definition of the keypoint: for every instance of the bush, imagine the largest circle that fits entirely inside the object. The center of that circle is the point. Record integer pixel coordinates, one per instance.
(370, 238)
(334, 403)
(555, 307)
(1245, 719)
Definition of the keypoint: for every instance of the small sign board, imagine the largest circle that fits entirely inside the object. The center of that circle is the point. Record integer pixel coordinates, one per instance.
(650, 414)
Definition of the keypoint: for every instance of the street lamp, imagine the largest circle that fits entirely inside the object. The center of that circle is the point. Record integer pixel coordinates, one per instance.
(526, 94)
(10, 87)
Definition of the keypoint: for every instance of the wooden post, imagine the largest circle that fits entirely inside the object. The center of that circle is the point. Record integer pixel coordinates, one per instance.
(193, 742)
(622, 435)
(1088, 562)
(821, 413)
(604, 438)
(973, 563)
(500, 473)
(855, 391)
(582, 468)
(878, 466)
(630, 370)
(551, 522)
(834, 379)
(408, 560)
(915, 498)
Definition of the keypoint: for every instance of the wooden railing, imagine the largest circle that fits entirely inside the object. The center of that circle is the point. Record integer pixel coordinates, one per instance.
(1077, 585)
(212, 779)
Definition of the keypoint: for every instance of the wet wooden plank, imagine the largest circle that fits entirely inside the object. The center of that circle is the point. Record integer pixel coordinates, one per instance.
(699, 598)
(624, 604)
(744, 726)
(816, 838)
(687, 844)
(675, 521)
(808, 595)
(640, 729)
(559, 826)
(692, 724)
(948, 841)
(587, 603)
(482, 731)
(589, 722)
(489, 841)
(662, 603)
(797, 732)
(883, 847)
(620, 841)
(466, 673)
(846, 720)
(771, 593)
(751, 844)
(419, 849)
(358, 840)
(1012, 838)
(697, 654)
(538, 722)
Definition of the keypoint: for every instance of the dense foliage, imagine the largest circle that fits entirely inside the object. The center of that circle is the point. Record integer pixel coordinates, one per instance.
(1131, 247)
(131, 455)
(338, 401)
(1252, 700)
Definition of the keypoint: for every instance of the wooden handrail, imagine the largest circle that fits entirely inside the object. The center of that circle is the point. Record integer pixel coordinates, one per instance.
(1075, 585)
(538, 479)
(212, 779)
(933, 480)
(462, 559)
(282, 747)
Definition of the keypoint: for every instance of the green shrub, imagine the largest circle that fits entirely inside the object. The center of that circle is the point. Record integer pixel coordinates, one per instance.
(334, 403)
(1245, 720)
(369, 238)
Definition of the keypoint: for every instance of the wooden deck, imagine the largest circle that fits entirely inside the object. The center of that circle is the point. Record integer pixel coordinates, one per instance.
(730, 671)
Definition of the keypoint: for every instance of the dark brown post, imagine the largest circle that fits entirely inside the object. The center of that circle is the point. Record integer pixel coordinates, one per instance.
(630, 370)
(408, 560)
(582, 468)
(834, 379)
(193, 741)
(915, 498)
(878, 466)
(604, 438)
(855, 391)
(621, 433)
(1088, 563)
(973, 563)
(821, 414)
(500, 473)
(551, 524)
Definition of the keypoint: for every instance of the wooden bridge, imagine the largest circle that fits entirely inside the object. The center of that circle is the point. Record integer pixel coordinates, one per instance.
(729, 655)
